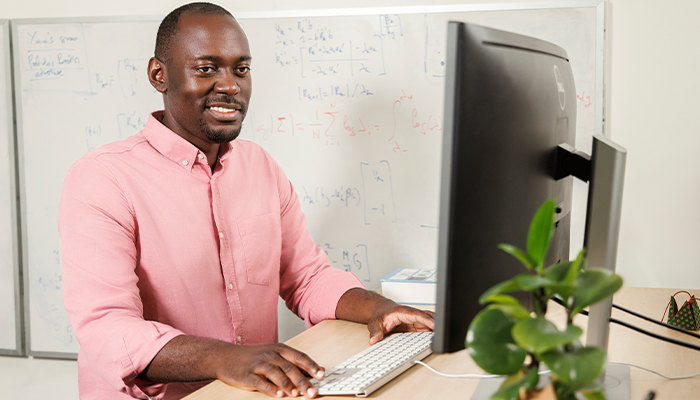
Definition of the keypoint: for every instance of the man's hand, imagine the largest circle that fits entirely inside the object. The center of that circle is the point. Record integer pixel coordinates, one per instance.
(275, 370)
(381, 315)
(399, 319)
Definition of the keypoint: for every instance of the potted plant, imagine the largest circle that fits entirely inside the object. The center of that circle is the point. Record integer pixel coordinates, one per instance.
(507, 339)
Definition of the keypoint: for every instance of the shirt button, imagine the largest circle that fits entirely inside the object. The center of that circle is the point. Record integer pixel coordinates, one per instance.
(230, 286)
(200, 156)
(184, 162)
(239, 338)
(221, 235)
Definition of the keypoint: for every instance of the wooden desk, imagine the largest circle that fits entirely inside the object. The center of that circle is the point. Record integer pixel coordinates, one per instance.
(331, 342)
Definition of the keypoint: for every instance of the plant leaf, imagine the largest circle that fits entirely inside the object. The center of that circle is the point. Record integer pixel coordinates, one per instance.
(509, 305)
(576, 267)
(539, 335)
(501, 299)
(577, 367)
(491, 345)
(514, 311)
(540, 234)
(533, 282)
(594, 285)
(558, 273)
(565, 274)
(510, 389)
(511, 285)
(566, 271)
(522, 256)
(524, 282)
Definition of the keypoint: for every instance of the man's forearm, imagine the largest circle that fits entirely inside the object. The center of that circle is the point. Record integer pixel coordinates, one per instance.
(187, 358)
(360, 305)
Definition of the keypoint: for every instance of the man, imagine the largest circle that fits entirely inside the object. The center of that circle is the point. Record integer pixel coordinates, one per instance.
(177, 241)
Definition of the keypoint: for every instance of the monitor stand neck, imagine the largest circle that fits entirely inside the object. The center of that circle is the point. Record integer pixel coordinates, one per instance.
(603, 225)
(604, 171)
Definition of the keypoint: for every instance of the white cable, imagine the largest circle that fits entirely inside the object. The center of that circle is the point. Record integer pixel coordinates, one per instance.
(457, 376)
(654, 372)
(467, 375)
(548, 371)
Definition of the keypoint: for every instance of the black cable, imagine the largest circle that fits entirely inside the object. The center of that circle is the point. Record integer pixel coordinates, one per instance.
(675, 328)
(654, 335)
(640, 330)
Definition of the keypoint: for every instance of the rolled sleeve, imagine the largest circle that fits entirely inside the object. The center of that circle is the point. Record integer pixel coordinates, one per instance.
(101, 293)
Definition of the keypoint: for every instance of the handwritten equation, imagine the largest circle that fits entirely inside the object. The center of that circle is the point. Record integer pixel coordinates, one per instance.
(378, 192)
(320, 196)
(390, 25)
(333, 91)
(314, 49)
(328, 127)
(412, 121)
(351, 259)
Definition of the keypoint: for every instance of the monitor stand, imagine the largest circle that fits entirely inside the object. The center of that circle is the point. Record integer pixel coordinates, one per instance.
(604, 170)
(615, 387)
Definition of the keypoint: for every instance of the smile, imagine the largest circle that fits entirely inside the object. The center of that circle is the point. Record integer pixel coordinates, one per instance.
(223, 110)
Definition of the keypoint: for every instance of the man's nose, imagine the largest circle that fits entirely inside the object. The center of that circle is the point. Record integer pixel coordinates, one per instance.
(227, 83)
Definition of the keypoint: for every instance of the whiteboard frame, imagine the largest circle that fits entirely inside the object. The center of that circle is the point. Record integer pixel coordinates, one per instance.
(599, 5)
(19, 349)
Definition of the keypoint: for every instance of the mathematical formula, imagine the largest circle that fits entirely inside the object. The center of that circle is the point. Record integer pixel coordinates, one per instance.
(353, 259)
(332, 127)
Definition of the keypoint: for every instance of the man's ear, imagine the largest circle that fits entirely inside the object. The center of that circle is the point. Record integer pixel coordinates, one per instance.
(157, 75)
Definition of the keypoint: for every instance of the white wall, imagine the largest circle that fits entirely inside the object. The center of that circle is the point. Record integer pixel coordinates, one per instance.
(655, 113)
(653, 109)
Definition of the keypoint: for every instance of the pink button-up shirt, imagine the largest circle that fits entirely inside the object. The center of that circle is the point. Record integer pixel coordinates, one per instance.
(155, 245)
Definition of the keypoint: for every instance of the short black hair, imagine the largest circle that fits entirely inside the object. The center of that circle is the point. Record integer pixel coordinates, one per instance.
(168, 27)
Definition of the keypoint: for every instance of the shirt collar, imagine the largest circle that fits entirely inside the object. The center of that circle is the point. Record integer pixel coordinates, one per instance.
(173, 146)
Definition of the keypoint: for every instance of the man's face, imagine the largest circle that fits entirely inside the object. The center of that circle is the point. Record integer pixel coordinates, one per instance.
(207, 80)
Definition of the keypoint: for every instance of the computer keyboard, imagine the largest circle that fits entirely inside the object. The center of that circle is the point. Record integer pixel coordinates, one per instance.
(371, 368)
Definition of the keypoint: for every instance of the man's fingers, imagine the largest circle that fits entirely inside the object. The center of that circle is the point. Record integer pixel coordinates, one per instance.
(285, 376)
(376, 331)
(412, 321)
(300, 381)
(296, 362)
(302, 361)
(259, 383)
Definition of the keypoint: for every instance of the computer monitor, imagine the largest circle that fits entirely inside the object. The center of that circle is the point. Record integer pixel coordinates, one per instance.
(508, 146)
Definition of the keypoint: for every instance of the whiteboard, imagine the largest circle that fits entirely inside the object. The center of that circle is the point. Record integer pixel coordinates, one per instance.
(10, 303)
(349, 102)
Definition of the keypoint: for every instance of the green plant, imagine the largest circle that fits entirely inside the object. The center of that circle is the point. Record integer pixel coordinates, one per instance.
(506, 339)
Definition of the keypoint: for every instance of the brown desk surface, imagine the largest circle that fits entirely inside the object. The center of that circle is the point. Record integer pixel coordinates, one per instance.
(331, 342)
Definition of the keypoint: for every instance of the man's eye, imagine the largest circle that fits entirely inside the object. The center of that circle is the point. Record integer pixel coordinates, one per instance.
(205, 70)
(243, 70)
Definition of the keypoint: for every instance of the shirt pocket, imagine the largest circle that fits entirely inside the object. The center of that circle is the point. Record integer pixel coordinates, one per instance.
(261, 239)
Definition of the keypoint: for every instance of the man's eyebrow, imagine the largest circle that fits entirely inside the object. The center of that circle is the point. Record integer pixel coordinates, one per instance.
(218, 59)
